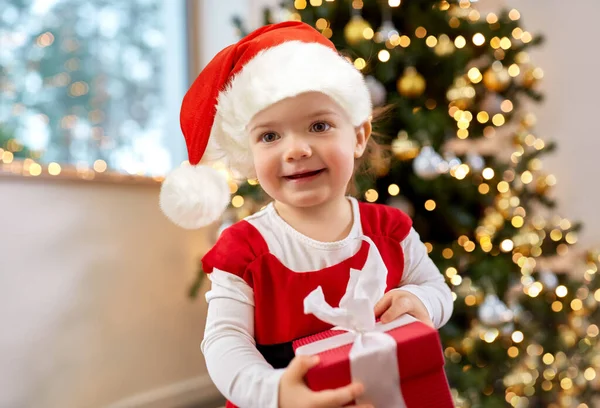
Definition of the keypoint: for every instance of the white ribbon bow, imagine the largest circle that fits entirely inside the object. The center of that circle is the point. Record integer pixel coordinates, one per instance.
(373, 358)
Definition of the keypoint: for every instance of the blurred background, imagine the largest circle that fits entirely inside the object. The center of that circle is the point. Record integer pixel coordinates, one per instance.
(95, 282)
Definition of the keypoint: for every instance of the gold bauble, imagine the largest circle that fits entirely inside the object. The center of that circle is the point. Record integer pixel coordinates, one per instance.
(496, 80)
(444, 47)
(541, 186)
(461, 93)
(593, 256)
(403, 148)
(411, 84)
(355, 29)
(531, 77)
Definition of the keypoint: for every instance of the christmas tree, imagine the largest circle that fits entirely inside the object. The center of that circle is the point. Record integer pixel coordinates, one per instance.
(459, 153)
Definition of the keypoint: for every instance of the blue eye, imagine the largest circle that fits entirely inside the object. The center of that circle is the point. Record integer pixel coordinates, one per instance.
(320, 127)
(269, 137)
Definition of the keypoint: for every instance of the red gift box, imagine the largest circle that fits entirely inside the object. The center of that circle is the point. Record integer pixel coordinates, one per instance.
(419, 357)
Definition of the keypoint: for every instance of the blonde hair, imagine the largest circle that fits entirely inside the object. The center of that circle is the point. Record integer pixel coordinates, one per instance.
(373, 152)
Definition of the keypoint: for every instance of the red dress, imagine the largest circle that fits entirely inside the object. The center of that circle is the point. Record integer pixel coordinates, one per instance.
(279, 292)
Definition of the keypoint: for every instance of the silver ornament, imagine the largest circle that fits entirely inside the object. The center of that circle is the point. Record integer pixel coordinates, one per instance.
(475, 161)
(426, 164)
(452, 160)
(493, 312)
(548, 279)
(376, 90)
(386, 31)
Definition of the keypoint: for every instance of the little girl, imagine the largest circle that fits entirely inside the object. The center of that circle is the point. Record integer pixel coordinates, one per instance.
(284, 107)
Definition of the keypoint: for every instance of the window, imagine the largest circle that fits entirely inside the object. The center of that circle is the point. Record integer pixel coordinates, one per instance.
(94, 83)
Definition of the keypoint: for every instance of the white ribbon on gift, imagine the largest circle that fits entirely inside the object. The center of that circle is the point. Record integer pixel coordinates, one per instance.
(373, 358)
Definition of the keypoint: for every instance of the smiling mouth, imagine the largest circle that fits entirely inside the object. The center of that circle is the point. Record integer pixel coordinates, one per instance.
(304, 175)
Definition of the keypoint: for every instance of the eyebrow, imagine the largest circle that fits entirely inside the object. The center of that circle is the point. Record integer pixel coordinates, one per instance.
(322, 112)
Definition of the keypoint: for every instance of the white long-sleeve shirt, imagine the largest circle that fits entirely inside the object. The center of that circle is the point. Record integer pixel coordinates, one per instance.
(234, 364)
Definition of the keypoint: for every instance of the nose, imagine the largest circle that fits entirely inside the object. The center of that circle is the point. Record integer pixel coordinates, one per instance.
(298, 148)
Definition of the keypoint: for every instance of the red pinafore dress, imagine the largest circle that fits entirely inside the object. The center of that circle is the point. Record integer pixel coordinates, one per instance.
(279, 292)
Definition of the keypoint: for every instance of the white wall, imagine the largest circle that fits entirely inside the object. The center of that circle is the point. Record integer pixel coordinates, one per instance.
(93, 283)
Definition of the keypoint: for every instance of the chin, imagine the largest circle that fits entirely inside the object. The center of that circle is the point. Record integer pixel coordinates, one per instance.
(307, 200)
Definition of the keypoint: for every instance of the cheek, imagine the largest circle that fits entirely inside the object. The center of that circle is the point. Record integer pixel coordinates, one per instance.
(265, 168)
(341, 158)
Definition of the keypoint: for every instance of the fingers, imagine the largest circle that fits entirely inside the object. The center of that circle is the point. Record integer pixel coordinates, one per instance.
(383, 304)
(399, 307)
(338, 397)
(300, 365)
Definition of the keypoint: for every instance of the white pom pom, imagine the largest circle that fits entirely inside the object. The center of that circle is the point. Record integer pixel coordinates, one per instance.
(194, 196)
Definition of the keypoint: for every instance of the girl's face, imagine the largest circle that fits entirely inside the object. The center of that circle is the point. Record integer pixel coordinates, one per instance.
(304, 149)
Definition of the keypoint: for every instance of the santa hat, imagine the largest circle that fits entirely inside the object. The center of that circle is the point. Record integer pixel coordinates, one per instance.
(272, 63)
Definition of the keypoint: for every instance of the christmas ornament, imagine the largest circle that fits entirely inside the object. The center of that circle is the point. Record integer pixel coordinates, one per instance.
(496, 78)
(411, 84)
(445, 46)
(548, 279)
(593, 256)
(508, 329)
(386, 31)
(461, 93)
(475, 161)
(451, 162)
(493, 312)
(354, 32)
(426, 164)
(531, 76)
(541, 185)
(376, 90)
(404, 148)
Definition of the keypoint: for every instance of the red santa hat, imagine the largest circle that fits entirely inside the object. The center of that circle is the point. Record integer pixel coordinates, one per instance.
(272, 63)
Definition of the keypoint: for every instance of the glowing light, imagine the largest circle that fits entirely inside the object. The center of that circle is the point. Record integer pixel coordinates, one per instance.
(360, 63)
(431, 41)
(383, 55)
(393, 190)
(237, 201)
(488, 173)
(371, 195)
(478, 39)
(100, 166)
(35, 169)
(561, 291)
(517, 336)
(507, 245)
(475, 75)
(460, 42)
(54, 169)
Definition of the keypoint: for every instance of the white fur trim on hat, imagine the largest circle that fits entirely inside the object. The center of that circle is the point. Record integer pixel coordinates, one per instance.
(194, 196)
(280, 72)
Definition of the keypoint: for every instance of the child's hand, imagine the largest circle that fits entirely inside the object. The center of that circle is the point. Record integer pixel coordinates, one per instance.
(293, 392)
(395, 303)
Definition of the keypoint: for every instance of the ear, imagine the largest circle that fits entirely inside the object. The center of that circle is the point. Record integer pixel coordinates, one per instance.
(363, 132)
